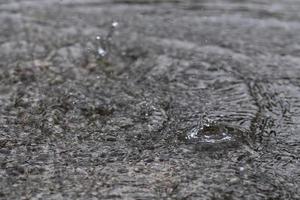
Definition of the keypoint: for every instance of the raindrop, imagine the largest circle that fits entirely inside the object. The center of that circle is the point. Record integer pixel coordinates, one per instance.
(209, 133)
(193, 133)
(115, 24)
(112, 30)
(101, 52)
(104, 44)
(213, 133)
(242, 169)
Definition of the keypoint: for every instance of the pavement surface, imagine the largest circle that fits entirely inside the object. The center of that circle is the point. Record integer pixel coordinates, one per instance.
(149, 99)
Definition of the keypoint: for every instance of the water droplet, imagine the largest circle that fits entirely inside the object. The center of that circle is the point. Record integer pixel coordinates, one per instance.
(115, 24)
(193, 133)
(101, 52)
(98, 37)
(212, 133)
(209, 133)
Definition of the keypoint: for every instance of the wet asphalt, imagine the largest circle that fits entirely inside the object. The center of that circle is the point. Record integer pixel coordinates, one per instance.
(149, 99)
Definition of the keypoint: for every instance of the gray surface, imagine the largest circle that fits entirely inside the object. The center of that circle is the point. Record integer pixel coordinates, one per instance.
(73, 126)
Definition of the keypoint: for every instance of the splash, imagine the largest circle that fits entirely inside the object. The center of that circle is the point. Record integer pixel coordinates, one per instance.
(210, 133)
(104, 43)
(101, 52)
(214, 133)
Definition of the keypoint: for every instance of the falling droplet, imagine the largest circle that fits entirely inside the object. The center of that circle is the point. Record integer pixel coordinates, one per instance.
(101, 52)
(115, 24)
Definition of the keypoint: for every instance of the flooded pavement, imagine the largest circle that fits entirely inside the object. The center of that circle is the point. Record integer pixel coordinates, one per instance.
(129, 99)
